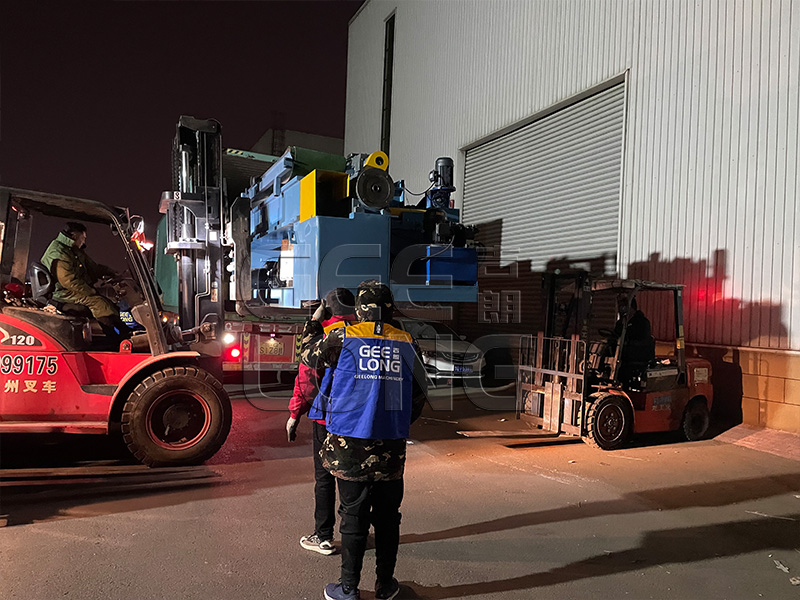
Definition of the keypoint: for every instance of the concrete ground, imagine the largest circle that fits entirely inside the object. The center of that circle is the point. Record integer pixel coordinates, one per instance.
(523, 516)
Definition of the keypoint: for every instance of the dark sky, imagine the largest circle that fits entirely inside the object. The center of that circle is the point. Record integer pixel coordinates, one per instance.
(90, 92)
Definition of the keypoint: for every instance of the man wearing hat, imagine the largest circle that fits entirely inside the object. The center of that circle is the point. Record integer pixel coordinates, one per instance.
(377, 391)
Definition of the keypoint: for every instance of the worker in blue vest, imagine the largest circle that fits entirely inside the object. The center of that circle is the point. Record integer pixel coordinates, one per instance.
(378, 390)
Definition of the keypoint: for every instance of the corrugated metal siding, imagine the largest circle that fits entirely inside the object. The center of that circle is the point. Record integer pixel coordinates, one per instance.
(710, 177)
(554, 184)
(364, 90)
(711, 191)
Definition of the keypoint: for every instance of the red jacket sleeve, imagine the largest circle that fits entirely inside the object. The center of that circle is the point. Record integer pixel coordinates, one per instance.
(306, 386)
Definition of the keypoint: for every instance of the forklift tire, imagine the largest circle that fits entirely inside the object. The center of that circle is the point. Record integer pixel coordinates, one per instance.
(609, 422)
(176, 416)
(696, 419)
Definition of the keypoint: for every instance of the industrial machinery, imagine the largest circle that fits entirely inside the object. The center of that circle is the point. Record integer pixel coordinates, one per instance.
(591, 376)
(300, 225)
(160, 390)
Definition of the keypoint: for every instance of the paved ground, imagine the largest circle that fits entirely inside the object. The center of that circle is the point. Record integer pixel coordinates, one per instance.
(520, 517)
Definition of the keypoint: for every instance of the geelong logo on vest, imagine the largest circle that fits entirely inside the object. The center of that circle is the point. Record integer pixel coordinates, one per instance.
(375, 362)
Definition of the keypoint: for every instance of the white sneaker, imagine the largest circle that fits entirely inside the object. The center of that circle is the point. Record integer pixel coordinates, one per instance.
(312, 542)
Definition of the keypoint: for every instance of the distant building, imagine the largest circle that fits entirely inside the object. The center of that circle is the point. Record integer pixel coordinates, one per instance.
(275, 142)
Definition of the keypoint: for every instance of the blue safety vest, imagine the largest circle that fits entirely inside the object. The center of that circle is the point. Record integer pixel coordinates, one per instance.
(371, 391)
(320, 406)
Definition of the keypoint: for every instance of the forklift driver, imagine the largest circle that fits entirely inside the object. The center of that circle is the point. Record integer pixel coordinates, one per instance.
(639, 348)
(75, 274)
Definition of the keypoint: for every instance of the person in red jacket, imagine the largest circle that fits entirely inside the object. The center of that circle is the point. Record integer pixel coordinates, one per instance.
(310, 397)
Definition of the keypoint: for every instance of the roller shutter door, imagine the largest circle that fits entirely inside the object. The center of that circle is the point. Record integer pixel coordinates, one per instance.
(554, 184)
(543, 194)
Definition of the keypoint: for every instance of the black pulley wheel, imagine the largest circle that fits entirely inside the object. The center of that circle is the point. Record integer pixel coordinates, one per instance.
(176, 416)
(374, 188)
(609, 422)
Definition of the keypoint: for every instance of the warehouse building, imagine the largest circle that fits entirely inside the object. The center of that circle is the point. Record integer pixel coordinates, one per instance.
(656, 140)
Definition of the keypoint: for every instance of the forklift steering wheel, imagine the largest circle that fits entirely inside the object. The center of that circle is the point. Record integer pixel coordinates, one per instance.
(121, 276)
(607, 333)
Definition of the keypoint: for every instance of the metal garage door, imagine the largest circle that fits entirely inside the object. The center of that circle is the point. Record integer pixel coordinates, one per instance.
(550, 190)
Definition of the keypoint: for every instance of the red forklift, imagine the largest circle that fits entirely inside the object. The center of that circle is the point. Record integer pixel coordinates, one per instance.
(160, 390)
(594, 372)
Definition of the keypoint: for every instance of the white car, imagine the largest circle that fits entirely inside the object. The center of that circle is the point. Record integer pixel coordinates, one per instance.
(445, 353)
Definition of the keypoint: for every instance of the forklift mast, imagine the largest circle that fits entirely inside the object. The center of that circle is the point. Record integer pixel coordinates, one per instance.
(568, 304)
(195, 229)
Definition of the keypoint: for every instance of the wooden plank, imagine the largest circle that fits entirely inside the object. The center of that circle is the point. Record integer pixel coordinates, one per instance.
(99, 471)
(101, 489)
(155, 476)
(499, 433)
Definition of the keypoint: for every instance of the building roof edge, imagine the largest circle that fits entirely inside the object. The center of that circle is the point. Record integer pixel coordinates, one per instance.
(358, 12)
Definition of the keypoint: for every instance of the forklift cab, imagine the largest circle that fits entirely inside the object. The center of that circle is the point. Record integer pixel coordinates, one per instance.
(594, 371)
(27, 286)
(159, 391)
(625, 354)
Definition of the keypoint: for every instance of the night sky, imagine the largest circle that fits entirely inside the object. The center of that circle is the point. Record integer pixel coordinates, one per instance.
(90, 92)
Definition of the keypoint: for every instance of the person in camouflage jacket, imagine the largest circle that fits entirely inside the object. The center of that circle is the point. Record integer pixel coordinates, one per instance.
(370, 411)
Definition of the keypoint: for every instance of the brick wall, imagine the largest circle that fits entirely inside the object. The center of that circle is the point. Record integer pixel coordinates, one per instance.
(755, 387)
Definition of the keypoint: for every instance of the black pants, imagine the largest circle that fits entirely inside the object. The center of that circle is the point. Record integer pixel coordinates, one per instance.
(362, 503)
(324, 489)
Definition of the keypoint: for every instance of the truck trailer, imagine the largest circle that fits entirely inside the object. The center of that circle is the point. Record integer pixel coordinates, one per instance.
(290, 229)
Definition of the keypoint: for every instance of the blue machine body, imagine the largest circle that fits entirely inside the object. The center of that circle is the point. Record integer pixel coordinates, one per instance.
(296, 260)
(451, 265)
(324, 255)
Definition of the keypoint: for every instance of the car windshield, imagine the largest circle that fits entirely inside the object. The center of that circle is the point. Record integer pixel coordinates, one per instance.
(431, 330)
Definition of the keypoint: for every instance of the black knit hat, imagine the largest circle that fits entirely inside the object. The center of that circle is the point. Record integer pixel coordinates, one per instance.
(340, 302)
(73, 227)
(374, 301)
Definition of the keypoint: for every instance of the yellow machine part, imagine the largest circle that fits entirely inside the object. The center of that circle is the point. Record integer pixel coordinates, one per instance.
(308, 196)
(308, 191)
(378, 160)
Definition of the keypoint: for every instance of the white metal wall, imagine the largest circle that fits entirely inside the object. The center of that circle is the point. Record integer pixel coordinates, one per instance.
(710, 182)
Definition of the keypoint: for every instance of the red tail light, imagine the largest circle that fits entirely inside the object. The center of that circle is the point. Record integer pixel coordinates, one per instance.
(233, 353)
